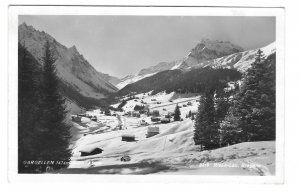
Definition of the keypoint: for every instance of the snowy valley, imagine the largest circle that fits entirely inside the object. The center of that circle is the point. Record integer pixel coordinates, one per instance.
(170, 151)
(146, 123)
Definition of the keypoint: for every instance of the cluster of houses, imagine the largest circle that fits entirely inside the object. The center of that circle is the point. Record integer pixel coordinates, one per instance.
(77, 118)
(151, 131)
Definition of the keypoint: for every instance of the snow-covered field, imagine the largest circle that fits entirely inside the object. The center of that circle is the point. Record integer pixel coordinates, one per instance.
(172, 151)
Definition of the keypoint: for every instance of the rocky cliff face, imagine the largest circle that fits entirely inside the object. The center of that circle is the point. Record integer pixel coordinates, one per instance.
(72, 68)
(208, 50)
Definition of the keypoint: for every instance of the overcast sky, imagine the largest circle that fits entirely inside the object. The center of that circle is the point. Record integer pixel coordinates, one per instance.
(122, 45)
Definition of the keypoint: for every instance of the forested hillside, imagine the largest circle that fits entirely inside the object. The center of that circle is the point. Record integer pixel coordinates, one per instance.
(183, 82)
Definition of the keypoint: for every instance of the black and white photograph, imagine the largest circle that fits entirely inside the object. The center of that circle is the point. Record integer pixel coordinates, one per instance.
(149, 94)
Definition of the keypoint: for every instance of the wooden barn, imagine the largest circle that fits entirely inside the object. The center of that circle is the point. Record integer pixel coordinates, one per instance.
(165, 120)
(194, 113)
(128, 137)
(155, 113)
(94, 118)
(87, 151)
(76, 118)
(152, 131)
(135, 114)
(155, 119)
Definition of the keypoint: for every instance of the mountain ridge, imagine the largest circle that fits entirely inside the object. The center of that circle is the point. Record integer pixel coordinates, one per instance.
(204, 54)
(68, 60)
(73, 69)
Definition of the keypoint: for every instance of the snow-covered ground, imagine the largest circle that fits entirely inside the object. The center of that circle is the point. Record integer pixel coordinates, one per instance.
(172, 151)
(163, 102)
(132, 79)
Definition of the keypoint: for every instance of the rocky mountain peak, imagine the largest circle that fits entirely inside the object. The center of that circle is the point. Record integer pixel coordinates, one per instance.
(207, 50)
(74, 50)
(210, 49)
(72, 68)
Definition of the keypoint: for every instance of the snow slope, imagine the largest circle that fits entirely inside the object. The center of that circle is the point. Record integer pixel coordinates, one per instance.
(172, 151)
(241, 60)
(132, 79)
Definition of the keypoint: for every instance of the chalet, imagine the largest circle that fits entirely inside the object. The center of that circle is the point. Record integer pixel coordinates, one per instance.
(143, 111)
(165, 120)
(125, 158)
(143, 122)
(135, 114)
(88, 116)
(119, 127)
(155, 113)
(168, 115)
(87, 151)
(128, 138)
(152, 131)
(193, 113)
(155, 119)
(76, 118)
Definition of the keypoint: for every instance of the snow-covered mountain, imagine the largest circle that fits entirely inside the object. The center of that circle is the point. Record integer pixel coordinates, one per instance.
(208, 50)
(205, 50)
(212, 53)
(72, 68)
(240, 61)
(112, 79)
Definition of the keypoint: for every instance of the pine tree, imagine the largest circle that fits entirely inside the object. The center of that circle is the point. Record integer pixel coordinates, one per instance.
(222, 104)
(122, 104)
(206, 130)
(177, 114)
(230, 129)
(28, 109)
(253, 112)
(55, 134)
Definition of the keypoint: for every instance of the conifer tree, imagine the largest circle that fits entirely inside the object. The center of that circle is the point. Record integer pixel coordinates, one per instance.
(55, 134)
(253, 112)
(177, 114)
(230, 129)
(28, 109)
(206, 130)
